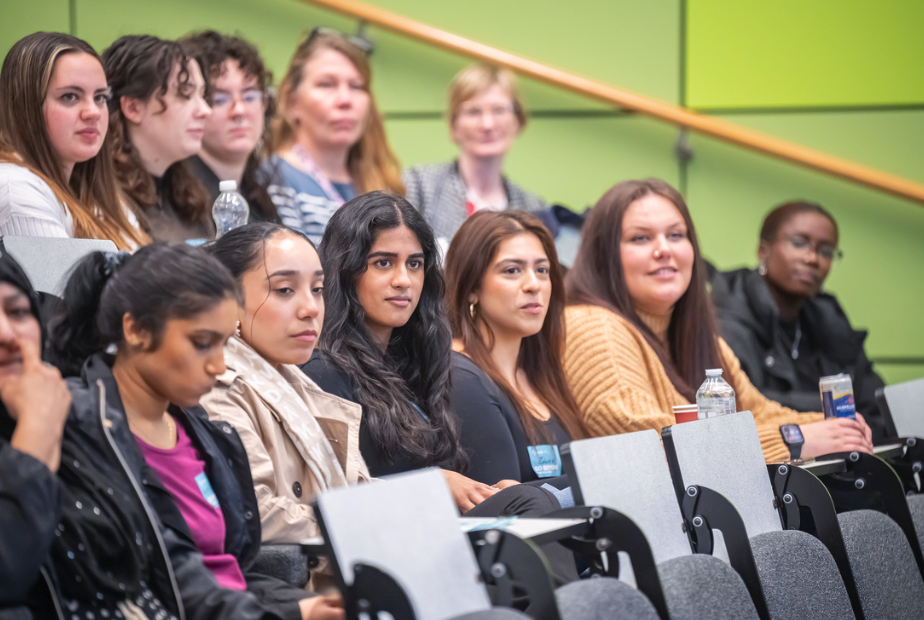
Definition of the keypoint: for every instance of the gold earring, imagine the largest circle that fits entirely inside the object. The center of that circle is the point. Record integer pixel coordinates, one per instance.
(471, 309)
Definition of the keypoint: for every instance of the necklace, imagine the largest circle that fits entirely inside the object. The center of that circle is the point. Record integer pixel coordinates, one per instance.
(794, 352)
(172, 436)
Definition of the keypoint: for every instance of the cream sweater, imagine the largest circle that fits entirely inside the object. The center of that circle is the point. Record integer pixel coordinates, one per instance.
(621, 386)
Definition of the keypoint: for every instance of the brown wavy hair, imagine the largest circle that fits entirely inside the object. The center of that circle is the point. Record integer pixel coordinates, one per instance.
(211, 49)
(597, 279)
(139, 67)
(91, 195)
(371, 162)
(470, 255)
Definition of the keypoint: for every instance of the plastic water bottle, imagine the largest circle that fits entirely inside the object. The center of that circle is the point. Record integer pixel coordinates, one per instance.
(715, 396)
(230, 209)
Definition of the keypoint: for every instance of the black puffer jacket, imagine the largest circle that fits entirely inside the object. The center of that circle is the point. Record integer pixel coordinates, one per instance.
(180, 579)
(750, 323)
(30, 504)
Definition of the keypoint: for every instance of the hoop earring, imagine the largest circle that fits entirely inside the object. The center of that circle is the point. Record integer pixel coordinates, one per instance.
(762, 268)
(471, 310)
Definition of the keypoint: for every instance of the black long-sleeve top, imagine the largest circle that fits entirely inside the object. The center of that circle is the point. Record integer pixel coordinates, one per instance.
(491, 431)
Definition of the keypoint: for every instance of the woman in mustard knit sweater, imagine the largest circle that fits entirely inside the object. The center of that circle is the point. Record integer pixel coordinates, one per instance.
(641, 331)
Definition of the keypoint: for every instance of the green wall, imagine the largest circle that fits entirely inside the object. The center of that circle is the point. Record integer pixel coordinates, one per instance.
(840, 76)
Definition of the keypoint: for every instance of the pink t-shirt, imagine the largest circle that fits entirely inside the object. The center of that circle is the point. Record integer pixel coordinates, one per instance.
(183, 474)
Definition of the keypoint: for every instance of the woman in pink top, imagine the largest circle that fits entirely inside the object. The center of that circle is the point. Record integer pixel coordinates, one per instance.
(169, 310)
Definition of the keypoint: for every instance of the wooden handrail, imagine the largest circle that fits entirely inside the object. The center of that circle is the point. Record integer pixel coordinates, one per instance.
(681, 117)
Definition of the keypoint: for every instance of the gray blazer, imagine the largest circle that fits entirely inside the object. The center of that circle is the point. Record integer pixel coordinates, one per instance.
(438, 192)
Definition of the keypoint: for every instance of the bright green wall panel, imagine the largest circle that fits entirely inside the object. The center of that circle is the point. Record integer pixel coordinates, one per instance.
(277, 26)
(413, 77)
(19, 18)
(799, 53)
(899, 373)
(888, 141)
(407, 76)
(633, 45)
(879, 282)
(566, 161)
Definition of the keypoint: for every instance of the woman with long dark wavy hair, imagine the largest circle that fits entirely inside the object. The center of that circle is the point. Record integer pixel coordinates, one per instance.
(641, 329)
(386, 345)
(157, 117)
(393, 344)
(506, 302)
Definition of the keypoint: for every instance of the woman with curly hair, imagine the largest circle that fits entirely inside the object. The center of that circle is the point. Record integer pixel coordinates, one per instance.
(157, 117)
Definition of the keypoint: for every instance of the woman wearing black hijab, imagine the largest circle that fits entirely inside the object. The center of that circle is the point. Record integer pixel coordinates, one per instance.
(34, 402)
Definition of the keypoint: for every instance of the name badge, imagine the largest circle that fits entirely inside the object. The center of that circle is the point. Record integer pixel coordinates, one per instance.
(546, 460)
(206, 488)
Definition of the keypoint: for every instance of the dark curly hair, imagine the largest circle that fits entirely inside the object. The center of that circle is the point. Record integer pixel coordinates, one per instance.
(139, 67)
(211, 49)
(415, 368)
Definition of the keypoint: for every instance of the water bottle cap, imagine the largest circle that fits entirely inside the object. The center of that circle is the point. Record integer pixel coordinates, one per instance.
(714, 372)
(227, 186)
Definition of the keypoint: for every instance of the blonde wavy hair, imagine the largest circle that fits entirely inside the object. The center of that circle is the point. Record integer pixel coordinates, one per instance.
(474, 80)
(371, 162)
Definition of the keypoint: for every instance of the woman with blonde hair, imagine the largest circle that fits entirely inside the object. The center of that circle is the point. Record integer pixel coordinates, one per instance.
(485, 115)
(56, 176)
(328, 141)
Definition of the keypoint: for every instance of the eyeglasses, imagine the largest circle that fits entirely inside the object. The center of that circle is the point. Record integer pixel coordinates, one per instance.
(358, 40)
(475, 113)
(249, 98)
(825, 251)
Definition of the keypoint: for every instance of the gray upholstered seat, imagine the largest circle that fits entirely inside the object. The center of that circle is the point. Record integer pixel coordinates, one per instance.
(628, 473)
(603, 599)
(285, 562)
(724, 454)
(784, 560)
(702, 586)
(884, 568)
(916, 505)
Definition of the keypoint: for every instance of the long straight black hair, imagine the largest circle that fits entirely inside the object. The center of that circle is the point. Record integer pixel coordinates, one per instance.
(158, 283)
(415, 368)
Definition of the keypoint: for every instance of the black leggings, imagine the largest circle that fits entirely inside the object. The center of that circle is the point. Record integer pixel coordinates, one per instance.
(524, 500)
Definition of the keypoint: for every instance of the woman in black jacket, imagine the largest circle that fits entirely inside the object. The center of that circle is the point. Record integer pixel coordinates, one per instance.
(162, 316)
(34, 406)
(786, 332)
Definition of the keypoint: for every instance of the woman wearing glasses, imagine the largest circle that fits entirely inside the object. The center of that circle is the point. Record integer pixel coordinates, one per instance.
(786, 332)
(328, 140)
(237, 80)
(485, 115)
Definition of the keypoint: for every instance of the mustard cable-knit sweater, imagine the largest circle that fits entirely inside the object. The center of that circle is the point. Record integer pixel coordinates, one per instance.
(621, 386)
